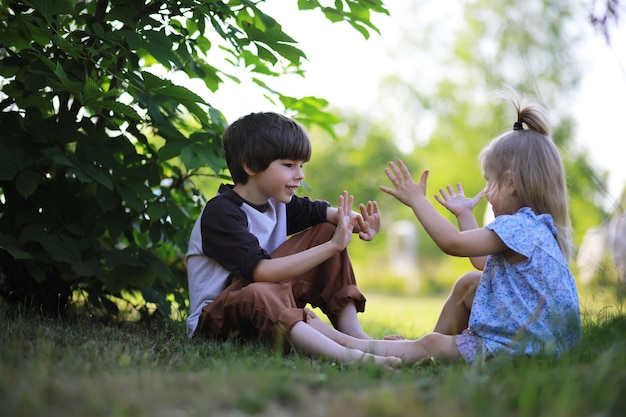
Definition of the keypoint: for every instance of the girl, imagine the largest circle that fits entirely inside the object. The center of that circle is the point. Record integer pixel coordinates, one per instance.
(526, 301)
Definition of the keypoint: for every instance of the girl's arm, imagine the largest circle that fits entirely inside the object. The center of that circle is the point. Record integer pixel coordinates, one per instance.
(284, 268)
(469, 243)
(463, 209)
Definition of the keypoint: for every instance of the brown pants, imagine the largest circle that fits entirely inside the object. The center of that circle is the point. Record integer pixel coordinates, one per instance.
(265, 309)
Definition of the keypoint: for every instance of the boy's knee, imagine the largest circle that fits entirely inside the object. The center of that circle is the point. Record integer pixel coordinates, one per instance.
(326, 228)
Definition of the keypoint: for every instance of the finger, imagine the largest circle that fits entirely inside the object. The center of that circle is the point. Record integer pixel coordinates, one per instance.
(404, 170)
(345, 198)
(392, 175)
(424, 179)
(393, 171)
(478, 197)
(450, 190)
(459, 188)
(364, 210)
(350, 203)
(387, 190)
(341, 206)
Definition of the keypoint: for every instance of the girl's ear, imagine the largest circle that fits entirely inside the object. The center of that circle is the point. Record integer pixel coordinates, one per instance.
(508, 184)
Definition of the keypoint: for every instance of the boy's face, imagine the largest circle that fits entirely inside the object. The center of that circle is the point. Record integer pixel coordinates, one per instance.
(280, 180)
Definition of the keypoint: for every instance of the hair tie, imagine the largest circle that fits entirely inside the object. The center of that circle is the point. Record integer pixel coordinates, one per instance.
(518, 126)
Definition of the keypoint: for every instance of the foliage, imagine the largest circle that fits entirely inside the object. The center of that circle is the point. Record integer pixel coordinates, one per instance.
(98, 145)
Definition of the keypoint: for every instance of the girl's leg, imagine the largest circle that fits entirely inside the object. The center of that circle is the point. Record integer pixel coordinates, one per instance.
(454, 316)
(432, 345)
(308, 340)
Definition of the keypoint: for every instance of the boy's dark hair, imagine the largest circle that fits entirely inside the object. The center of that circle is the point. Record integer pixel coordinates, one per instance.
(258, 139)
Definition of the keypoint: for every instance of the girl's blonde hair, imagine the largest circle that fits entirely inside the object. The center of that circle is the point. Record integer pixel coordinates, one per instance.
(535, 166)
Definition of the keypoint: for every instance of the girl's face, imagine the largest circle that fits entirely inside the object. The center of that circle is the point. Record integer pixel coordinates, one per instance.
(500, 192)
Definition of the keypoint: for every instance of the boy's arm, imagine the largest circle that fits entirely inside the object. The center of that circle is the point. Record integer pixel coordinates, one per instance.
(463, 209)
(287, 267)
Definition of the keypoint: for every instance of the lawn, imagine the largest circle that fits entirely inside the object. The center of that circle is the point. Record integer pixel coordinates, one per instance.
(86, 367)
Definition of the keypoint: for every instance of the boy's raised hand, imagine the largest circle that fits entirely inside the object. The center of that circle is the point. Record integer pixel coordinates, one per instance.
(346, 221)
(406, 189)
(369, 221)
(456, 202)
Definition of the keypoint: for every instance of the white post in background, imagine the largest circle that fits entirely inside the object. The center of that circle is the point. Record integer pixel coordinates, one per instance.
(402, 244)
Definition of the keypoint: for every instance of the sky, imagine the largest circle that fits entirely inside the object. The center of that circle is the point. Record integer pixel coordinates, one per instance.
(346, 69)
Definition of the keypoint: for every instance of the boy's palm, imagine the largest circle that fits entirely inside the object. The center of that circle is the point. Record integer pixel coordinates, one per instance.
(346, 221)
(369, 222)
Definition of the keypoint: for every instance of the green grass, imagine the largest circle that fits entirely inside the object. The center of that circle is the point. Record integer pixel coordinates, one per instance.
(86, 367)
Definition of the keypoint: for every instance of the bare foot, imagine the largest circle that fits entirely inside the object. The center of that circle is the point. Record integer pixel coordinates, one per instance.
(385, 362)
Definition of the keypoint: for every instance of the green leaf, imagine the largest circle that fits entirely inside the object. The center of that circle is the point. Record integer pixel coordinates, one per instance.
(130, 276)
(159, 45)
(121, 109)
(157, 210)
(35, 270)
(308, 4)
(9, 244)
(153, 82)
(107, 200)
(97, 175)
(57, 157)
(61, 249)
(171, 149)
(27, 182)
(181, 93)
(130, 197)
(9, 160)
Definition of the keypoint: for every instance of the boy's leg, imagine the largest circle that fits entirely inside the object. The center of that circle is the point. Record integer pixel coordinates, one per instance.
(251, 310)
(309, 340)
(454, 316)
(331, 285)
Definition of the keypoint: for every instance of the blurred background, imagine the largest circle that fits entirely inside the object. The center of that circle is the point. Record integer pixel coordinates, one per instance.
(425, 90)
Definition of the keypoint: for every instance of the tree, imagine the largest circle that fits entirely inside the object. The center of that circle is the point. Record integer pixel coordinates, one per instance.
(98, 146)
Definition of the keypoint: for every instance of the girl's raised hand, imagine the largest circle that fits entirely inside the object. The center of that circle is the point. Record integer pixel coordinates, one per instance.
(457, 202)
(406, 189)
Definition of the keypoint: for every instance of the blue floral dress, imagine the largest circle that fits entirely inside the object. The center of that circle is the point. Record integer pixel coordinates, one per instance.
(531, 306)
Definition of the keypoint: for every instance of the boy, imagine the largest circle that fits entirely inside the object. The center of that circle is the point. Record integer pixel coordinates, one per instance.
(246, 277)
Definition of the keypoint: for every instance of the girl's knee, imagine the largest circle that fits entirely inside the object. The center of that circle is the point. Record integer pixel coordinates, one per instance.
(467, 283)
